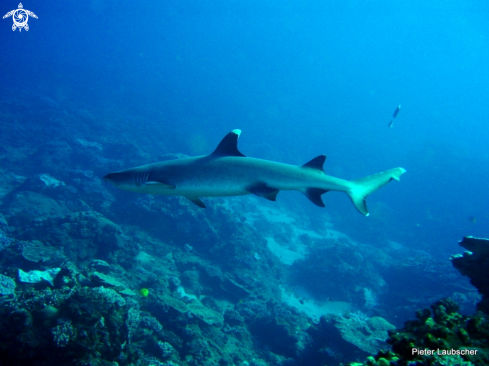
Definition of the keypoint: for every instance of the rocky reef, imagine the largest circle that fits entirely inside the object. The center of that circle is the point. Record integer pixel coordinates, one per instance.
(474, 263)
(91, 275)
(441, 335)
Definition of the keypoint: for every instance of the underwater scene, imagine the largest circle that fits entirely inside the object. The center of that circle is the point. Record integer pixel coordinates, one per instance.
(244, 183)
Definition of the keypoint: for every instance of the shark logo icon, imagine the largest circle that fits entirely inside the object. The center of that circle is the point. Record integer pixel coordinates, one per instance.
(20, 17)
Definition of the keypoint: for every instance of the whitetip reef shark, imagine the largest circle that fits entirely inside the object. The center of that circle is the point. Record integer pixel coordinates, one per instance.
(227, 172)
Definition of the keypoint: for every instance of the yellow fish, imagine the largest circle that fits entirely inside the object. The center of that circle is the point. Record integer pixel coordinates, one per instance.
(144, 292)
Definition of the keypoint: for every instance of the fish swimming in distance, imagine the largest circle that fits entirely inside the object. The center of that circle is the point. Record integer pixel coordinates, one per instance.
(227, 172)
(394, 115)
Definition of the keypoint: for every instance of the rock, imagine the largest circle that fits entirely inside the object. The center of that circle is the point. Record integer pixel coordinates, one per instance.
(100, 265)
(48, 313)
(475, 265)
(27, 207)
(38, 276)
(9, 182)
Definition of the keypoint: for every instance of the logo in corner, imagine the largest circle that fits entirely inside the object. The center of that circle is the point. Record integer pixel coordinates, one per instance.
(20, 17)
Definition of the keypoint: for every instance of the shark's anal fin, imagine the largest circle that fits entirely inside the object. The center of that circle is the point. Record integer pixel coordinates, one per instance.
(164, 185)
(262, 190)
(197, 201)
(228, 145)
(316, 163)
(314, 195)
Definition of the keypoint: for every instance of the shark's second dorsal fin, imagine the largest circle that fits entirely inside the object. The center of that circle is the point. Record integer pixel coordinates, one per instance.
(316, 163)
(228, 145)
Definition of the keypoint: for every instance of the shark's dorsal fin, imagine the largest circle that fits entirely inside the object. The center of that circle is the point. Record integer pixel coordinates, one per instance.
(228, 145)
(316, 163)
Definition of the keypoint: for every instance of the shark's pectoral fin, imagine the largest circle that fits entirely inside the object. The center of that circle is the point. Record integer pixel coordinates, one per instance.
(314, 195)
(262, 190)
(197, 201)
(161, 184)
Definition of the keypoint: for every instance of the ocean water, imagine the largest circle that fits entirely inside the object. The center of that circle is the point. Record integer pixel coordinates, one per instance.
(299, 78)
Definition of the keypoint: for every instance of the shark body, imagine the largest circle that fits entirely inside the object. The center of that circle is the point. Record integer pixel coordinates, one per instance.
(227, 172)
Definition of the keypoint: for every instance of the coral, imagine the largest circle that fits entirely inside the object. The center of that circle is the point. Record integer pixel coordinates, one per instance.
(36, 251)
(7, 285)
(166, 349)
(209, 316)
(368, 334)
(108, 297)
(4, 240)
(451, 361)
(152, 323)
(132, 322)
(50, 181)
(378, 323)
(178, 305)
(106, 280)
(233, 317)
(251, 310)
(63, 332)
(440, 330)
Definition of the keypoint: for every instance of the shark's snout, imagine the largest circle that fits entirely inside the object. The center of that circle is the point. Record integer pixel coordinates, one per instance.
(114, 178)
(106, 177)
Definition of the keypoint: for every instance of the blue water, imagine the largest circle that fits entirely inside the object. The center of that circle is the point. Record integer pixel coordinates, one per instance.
(300, 78)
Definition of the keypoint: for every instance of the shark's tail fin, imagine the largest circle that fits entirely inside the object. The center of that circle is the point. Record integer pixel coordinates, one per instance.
(362, 187)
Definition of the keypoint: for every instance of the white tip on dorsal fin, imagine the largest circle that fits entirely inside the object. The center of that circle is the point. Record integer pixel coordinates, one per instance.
(228, 145)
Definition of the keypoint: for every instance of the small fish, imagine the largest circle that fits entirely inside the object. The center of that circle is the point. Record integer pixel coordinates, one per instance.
(144, 292)
(472, 219)
(394, 115)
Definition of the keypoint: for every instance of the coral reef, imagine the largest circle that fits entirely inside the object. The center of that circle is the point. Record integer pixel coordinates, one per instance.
(241, 283)
(441, 335)
(368, 334)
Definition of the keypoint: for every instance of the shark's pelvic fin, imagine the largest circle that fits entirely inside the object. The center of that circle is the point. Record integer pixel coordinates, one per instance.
(314, 195)
(362, 187)
(197, 201)
(228, 145)
(262, 190)
(316, 163)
